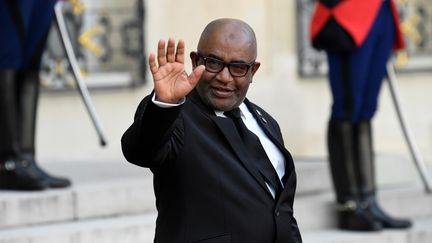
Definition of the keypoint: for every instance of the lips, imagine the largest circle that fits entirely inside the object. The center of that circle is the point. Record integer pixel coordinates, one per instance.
(222, 92)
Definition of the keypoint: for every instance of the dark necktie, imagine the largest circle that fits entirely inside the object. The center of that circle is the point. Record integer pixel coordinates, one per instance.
(254, 147)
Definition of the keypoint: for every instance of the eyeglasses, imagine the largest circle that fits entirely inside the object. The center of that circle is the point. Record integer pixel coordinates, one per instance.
(236, 69)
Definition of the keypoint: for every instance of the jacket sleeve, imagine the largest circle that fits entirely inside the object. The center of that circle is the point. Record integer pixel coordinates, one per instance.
(154, 135)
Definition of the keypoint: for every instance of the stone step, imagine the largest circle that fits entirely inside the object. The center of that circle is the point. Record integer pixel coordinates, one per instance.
(317, 211)
(421, 232)
(312, 177)
(124, 229)
(110, 189)
(140, 229)
(99, 190)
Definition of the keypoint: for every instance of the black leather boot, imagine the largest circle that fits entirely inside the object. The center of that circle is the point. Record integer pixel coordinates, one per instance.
(352, 214)
(366, 174)
(14, 173)
(50, 180)
(28, 90)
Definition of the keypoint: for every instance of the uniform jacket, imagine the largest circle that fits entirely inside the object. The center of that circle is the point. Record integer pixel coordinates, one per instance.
(207, 189)
(356, 17)
(23, 27)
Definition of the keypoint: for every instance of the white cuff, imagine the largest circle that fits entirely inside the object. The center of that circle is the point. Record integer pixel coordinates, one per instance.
(167, 105)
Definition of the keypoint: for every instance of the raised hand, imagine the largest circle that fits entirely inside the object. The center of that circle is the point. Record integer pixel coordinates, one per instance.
(171, 82)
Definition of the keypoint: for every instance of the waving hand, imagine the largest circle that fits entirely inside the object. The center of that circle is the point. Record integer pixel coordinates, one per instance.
(171, 82)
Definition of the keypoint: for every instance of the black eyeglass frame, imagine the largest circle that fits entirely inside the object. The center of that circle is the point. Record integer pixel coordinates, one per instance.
(224, 64)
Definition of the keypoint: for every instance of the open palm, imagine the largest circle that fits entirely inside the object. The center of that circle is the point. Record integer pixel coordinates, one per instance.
(171, 82)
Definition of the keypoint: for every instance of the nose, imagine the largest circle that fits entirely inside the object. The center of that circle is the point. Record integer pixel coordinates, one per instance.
(224, 75)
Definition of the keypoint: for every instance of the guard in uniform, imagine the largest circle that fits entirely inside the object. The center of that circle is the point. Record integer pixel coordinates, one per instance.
(355, 79)
(24, 25)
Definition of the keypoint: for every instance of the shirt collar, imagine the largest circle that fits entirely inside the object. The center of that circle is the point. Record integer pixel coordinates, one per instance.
(243, 111)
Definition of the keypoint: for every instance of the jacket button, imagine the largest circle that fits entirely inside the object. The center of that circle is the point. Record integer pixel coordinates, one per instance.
(277, 213)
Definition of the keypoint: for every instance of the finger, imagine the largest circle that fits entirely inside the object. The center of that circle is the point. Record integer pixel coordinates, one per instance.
(170, 55)
(180, 51)
(152, 63)
(161, 53)
(196, 74)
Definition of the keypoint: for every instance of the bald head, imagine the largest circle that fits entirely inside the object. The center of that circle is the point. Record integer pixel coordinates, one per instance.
(229, 31)
(228, 49)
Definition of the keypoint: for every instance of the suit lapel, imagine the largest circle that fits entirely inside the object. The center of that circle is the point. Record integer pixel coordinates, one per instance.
(265, 125)
(229, 130)
(269, 131)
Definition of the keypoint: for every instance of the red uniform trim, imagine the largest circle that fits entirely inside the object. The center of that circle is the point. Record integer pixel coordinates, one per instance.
(400, 40)
(356, 17)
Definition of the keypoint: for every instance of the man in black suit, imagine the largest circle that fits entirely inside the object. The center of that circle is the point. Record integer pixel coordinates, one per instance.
(211, 184)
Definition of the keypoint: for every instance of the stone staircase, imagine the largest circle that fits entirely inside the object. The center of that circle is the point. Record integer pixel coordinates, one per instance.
(114, 203)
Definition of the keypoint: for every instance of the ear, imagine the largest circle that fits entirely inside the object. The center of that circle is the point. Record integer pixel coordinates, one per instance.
(255, 67)
(194, 58)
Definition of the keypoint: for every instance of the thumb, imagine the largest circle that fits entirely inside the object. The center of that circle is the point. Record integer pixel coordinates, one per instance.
(196, 74)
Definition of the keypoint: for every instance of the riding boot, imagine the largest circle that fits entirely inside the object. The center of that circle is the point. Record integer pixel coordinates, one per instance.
(28, 99)
(366, 175)
(352, 214)
(15, 174)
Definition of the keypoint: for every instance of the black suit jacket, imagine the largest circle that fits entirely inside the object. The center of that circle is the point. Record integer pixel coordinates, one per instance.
(207, 188)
